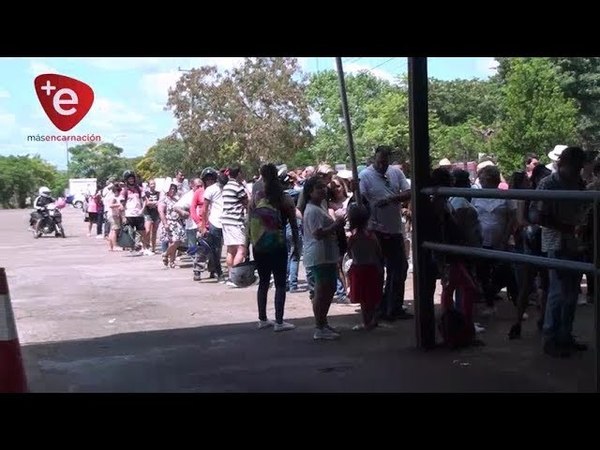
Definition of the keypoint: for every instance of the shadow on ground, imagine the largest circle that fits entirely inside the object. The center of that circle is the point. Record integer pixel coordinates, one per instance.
(240, 358)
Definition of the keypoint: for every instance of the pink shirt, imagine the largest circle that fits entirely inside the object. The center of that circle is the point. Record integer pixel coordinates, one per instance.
(92, 205)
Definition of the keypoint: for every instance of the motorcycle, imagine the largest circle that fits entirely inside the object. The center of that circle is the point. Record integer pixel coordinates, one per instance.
(51, 222)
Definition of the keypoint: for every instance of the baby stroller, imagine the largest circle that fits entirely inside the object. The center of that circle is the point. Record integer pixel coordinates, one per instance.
(202, 257)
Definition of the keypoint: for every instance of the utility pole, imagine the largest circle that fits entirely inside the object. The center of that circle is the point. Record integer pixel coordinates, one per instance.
(192, 99)
(68, 165)
(347, 123)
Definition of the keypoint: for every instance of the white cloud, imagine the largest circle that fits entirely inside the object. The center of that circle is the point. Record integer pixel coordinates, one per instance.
(379, 73)
(114, 112)
(7, 123)
(316, 120)
(38, 68)
(224, 63)
(156, 86)
(124, 63)
(4, 93)
(486, 66)
(161, 64)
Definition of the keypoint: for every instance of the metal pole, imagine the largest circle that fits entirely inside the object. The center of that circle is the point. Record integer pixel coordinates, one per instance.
(421, 166)
(67, 148)
(340, 70)
(596, 224)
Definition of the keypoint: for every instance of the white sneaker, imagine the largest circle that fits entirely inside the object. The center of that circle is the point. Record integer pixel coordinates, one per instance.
(283, 326)
(333, 330)
(326, 334)
(231, 284)
(99, 236)
(478, 328)
(262, 324)
(148, 252)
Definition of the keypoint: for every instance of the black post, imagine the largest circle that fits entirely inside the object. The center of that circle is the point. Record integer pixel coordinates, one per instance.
(68, 163)
(340, 70)
(596, 241)
(419, 143)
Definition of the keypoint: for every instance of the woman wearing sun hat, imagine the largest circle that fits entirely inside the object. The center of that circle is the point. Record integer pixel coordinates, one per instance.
(554, 154)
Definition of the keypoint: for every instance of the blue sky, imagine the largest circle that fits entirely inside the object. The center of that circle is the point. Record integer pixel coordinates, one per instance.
(130, 94)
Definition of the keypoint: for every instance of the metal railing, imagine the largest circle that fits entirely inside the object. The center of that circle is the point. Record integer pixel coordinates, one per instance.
(551, 263)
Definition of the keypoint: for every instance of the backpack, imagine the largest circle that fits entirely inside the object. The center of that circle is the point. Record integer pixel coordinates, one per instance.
(533, 233)
(126, 238)
(454, 329)
(267, 227)
(294, 194)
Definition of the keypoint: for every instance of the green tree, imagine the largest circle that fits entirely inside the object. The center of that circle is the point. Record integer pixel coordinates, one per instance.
(21, 177)
(60, 183)
(249, 115)
(330, 143)
(164, 158)
(386, 124)
(537, 115)
(580, 81)
(458, 101)
(462, 142)
(100, 161)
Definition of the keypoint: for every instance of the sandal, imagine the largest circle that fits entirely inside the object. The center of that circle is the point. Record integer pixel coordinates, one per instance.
(165, 259)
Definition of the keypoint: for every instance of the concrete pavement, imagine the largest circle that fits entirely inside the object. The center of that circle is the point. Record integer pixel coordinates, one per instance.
(94, 321)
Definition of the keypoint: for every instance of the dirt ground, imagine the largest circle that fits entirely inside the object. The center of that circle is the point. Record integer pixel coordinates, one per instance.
(94, 321)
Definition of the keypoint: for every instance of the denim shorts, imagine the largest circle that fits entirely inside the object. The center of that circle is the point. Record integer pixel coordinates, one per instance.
(325, 273)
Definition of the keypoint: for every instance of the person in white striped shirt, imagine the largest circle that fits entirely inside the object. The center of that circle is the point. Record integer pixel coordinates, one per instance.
(235, 203)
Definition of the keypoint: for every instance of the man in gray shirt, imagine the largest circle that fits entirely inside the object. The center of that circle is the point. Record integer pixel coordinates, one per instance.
(385, 188)
(561, 221)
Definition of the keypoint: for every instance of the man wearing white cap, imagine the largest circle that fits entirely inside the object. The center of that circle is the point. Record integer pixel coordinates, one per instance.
(445, 164)
(554, 154)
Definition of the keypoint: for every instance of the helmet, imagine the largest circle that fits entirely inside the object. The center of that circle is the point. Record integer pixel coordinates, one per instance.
(243, 275)
(282, 174)
(209, 172)
(127, 174)
(44, 191)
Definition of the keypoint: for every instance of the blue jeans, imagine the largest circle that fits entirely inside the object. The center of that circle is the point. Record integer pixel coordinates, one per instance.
(310, 280)
(215, 240)
(563, 291)
(271, 263)
(99, 221)
(293, 264)
(396, 268)
(339, 288)
(192, 240)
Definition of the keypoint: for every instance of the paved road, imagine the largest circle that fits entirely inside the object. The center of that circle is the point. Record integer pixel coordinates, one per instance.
(94, 321)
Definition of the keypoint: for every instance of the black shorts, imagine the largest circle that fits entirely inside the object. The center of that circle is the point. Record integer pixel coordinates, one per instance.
(92, 217)
(136, 222)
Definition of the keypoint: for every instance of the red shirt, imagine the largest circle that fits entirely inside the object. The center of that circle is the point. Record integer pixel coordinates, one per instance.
(197, 206)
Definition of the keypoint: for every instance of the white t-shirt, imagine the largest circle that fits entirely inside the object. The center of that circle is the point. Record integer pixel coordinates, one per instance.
(318, 251)
(213, 194)
(375, 187)
(185, 203)
(109, 200)
(182, 188)
(494, 214)
(133, 204)
(471, 225)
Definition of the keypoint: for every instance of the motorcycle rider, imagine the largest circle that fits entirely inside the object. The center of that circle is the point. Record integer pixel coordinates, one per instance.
(40, 203)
